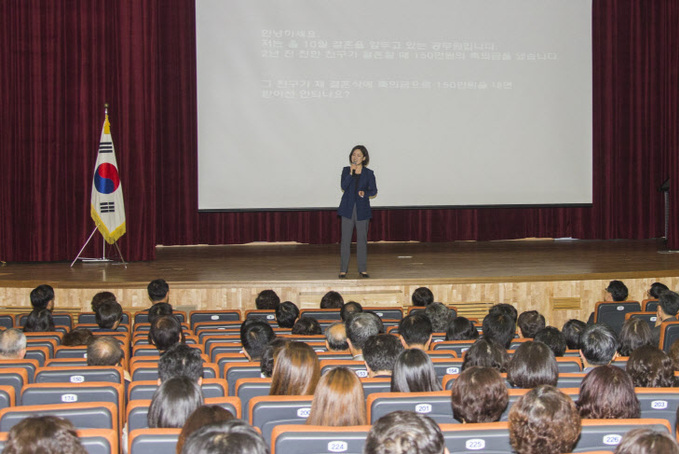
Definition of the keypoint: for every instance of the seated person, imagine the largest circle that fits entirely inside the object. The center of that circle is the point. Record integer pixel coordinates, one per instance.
(607, 392)
(286, 314)
(296, 370)
(332, 300)
(349, 309)
(108, 315)
(439, 315)
(598, 346)
(42, 297)
(530, 322)
(336, 337)
(12, 344)
(181, 360)
(101, 297)
(414, 372)
(422, 297)
(635, 333)
(647, 441)
(461, 328)
(359, 328)
(106, 351)
(202, 416)
(77, 337)
(255, 335)
(533, 364)
(267, 300)
(486, 353)
(405, 432)
(668, 307)
(479, 395)
(650, 367)
(338, 400)
(380, 353)
(165, 332)
(572, 330)
(159, 310)
(44, 435)
(228, 437)
(158, 291)
(39, 321)
(500, 327)
(656, 289)
(307, 326)
(415, 331)
(552, 338)
(173, 402)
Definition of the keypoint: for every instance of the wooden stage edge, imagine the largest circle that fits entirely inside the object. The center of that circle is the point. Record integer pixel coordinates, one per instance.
(561, 279)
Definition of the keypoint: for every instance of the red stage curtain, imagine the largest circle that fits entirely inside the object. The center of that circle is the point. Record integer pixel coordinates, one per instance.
(62, 59)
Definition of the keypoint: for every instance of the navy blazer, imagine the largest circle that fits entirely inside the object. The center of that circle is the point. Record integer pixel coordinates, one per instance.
(366, 183)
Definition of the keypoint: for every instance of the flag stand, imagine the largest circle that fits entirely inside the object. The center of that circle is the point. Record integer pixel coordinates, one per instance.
(103, 257)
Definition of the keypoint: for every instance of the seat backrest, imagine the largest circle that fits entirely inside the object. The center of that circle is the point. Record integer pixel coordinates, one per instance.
(659, 403)
(357, 366)
(669, 332)
(70, 352)
(435, 404)
(88, 318)
(447, 366)
(569, 364)
(138, 410)
(153, 441)
(613, 313)
(30, 365)
(375, 385)
(6, 321)
(40, 353)
(215, 347)
(266, 412)
(321, 314)
(603, 434)
(143, 390)
(7, 396)
(649, 317)
(225, 315)
(490, 437)
(143, 316)
(79, 374)
(59, 318)
(248, 388)
(232, 372)
(386, 313)
(222, 359)
(420, 309)
(99, 441)
(649, 305)
(570, 380)
(264, 315)
(142, 371)
(227, 327)
(459, 346)
(83, 415)
(303, 439)
(16, 378)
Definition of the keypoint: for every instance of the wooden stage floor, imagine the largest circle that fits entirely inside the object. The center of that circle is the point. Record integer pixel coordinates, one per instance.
(457, 262)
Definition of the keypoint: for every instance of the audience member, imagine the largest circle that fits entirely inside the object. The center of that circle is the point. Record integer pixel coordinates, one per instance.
(267, 300)
(332, 300)
(616, 291)
(202, 416)
(159, 309)
(12, 344)
(552, 338)
(100, 298)
(415, 331)
(530, 322)
(165, 332)
(646, 440)
(338, 400)
(267, 361)
(414, 372)
(674, 354)
(533, 364)
(461, 328)
(378, 319)
(173, 402)
(286, 314)
(544, 421)
(572, 330)
(380, 353)
(255, 335)
(359, 328)
(108, 315)
(439, 316)
(505, 308)
(42, 297)
(43, 435)
(650, 367)
(228, 437)
(349, 309)
(336, 337)
(668, 306)
(181, 360)
(486, 353)
(607, 392)
(405, 432)
(38, 321)
(598, 346)
(635, 333)
(479, 395)
(296, 370)
(499, 327)
(159, 291)
(77, 337)
(422, 296)
(104, 351)
(656, 289)
(307, 326)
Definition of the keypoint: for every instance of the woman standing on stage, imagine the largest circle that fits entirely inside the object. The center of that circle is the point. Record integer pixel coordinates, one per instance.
(358, 184)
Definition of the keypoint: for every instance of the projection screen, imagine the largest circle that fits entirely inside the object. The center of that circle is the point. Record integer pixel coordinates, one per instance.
(459, 102)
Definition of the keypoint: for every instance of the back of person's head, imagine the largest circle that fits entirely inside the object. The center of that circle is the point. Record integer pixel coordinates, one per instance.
(618, 290)
(656, 289)
(461, 328)
(422, 296)
(159, 310)
(109, 314)
(414, 372)
(572, 330)
(267, 300)
(552, 338)
(157, 290)
(104, 351)
(43, 435)
(307, 326)
(532, 364)
(598, 344)
(439, 315)
(165, 332)
(39, 320)
(405, 432)
(635, 333)
(504, 308)
(77, 337)
(650, 367)
(255, 335)
(530, 322)
(486, 353)
(607, 392)
(41, 296)
(338, 400)
(479, 395)
(380, 323)
(336, 335)
(360, 327)
(286, 314)
(669, 302)
(499, 327)
(12, 344)
(332, 300)
(349, 309)
(202, 416)
(674, 354)
(267, 360)
(415, 329)
(296, 370)
(229, 437)
(180, 360)
(173, 402)
(100, 298)
(646, 440)
(544, 420)
(380, 352)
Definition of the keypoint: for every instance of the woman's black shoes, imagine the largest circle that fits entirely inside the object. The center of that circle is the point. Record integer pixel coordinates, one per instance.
(364, 275)
(343, 275)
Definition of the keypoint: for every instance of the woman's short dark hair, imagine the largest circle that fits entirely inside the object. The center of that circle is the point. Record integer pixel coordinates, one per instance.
(461, 328)
(544, 420)
(76, 337)
(650, 367)
(656, 289)
(267, 300)
(332, 300)
(45, 435)
(607, 392)
(572, 330)
(39, 320)
(635, 333)
(645, 440)
(486, 353)
(422, 296)
(479, 395)
(532, 364)
(307, 326)
(364, 150)
(173, 402)
(414, 372)
(229, 437)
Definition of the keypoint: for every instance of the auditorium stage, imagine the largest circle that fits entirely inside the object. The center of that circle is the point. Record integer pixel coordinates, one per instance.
(563, 278)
